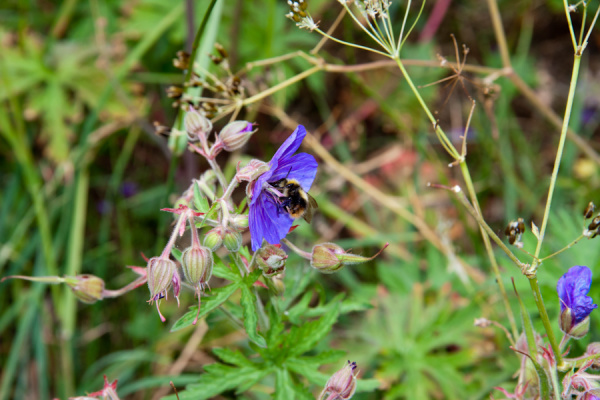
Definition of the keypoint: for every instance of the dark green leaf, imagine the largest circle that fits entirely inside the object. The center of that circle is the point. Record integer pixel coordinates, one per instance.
(283, 385)
(305, 337)
(234, 357)
(222, 271)
(248, 302)
(217, 297)
(200, 201)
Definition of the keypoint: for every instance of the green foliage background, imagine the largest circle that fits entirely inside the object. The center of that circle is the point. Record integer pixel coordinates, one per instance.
(83, 178)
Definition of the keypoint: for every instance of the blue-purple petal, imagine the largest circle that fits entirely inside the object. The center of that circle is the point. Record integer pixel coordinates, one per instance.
(290, 146)
(301, 167)
(267, 221)
(572, 289)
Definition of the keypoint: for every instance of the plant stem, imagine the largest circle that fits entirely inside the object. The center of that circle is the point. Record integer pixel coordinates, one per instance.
(559, 152)
(539, 302)
(490, 252)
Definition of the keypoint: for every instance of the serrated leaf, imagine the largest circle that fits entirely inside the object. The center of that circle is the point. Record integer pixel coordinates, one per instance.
(218, 296)
(222, 271)
(535, 230)
(248, 302)
(234, 357)
(304, 338)
(298, 310)
(218, 379)
(308, 370)
(200, 201)
(284, 389)
(347, 306)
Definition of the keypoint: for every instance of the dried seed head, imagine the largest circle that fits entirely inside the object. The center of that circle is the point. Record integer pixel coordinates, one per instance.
(589, 210)
(182, 61)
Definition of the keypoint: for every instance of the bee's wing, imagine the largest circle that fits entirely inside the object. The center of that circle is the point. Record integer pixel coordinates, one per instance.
(312, 204)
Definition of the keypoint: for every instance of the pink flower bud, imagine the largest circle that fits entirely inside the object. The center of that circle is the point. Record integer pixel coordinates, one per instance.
(196, 125)
(329, 258)
(161, 273)
(87, 288)
(251, 171)
(235, 135)
(342, 384)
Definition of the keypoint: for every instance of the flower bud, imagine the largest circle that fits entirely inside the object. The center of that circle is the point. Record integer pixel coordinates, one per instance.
(271, 260)
(576, 331)
(160, 276)
(214, 238)
(278, 284)
(240, 221)
(329, 257)
(87, 288)
(197, 264)
(251, 171)
(235, 135)
(325, 258)
(342, 384)
(196, 125)
(232, 240)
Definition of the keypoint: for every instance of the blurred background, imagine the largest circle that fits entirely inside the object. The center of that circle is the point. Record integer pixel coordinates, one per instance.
(83, 176)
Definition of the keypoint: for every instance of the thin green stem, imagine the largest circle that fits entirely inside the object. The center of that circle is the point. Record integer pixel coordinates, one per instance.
(439, 131)
(352, 44)
(490, 252)
(564, 248)
(570, 23)
(363, 28)
(539, 302)
(499, 33)
(559, 152)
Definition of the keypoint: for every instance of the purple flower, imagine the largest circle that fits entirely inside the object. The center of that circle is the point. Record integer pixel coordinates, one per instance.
(575, 304)
(267, 220)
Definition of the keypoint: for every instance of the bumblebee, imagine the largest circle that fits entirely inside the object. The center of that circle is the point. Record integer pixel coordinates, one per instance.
(295, 201)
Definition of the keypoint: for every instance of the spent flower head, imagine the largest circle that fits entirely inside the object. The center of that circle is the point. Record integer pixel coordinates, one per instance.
(342, 384)
(575, 304)
(267, 219)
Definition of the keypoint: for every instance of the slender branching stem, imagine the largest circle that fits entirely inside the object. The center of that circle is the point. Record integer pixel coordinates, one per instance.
(559, 153)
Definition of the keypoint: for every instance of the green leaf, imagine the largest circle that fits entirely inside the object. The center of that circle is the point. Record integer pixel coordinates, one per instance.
(200, 201)
(284, 389)
(218, 379)
(308, 370)
(234, 357)
(218, 296)
(222, 271)
(305, 337)
(248, 302)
